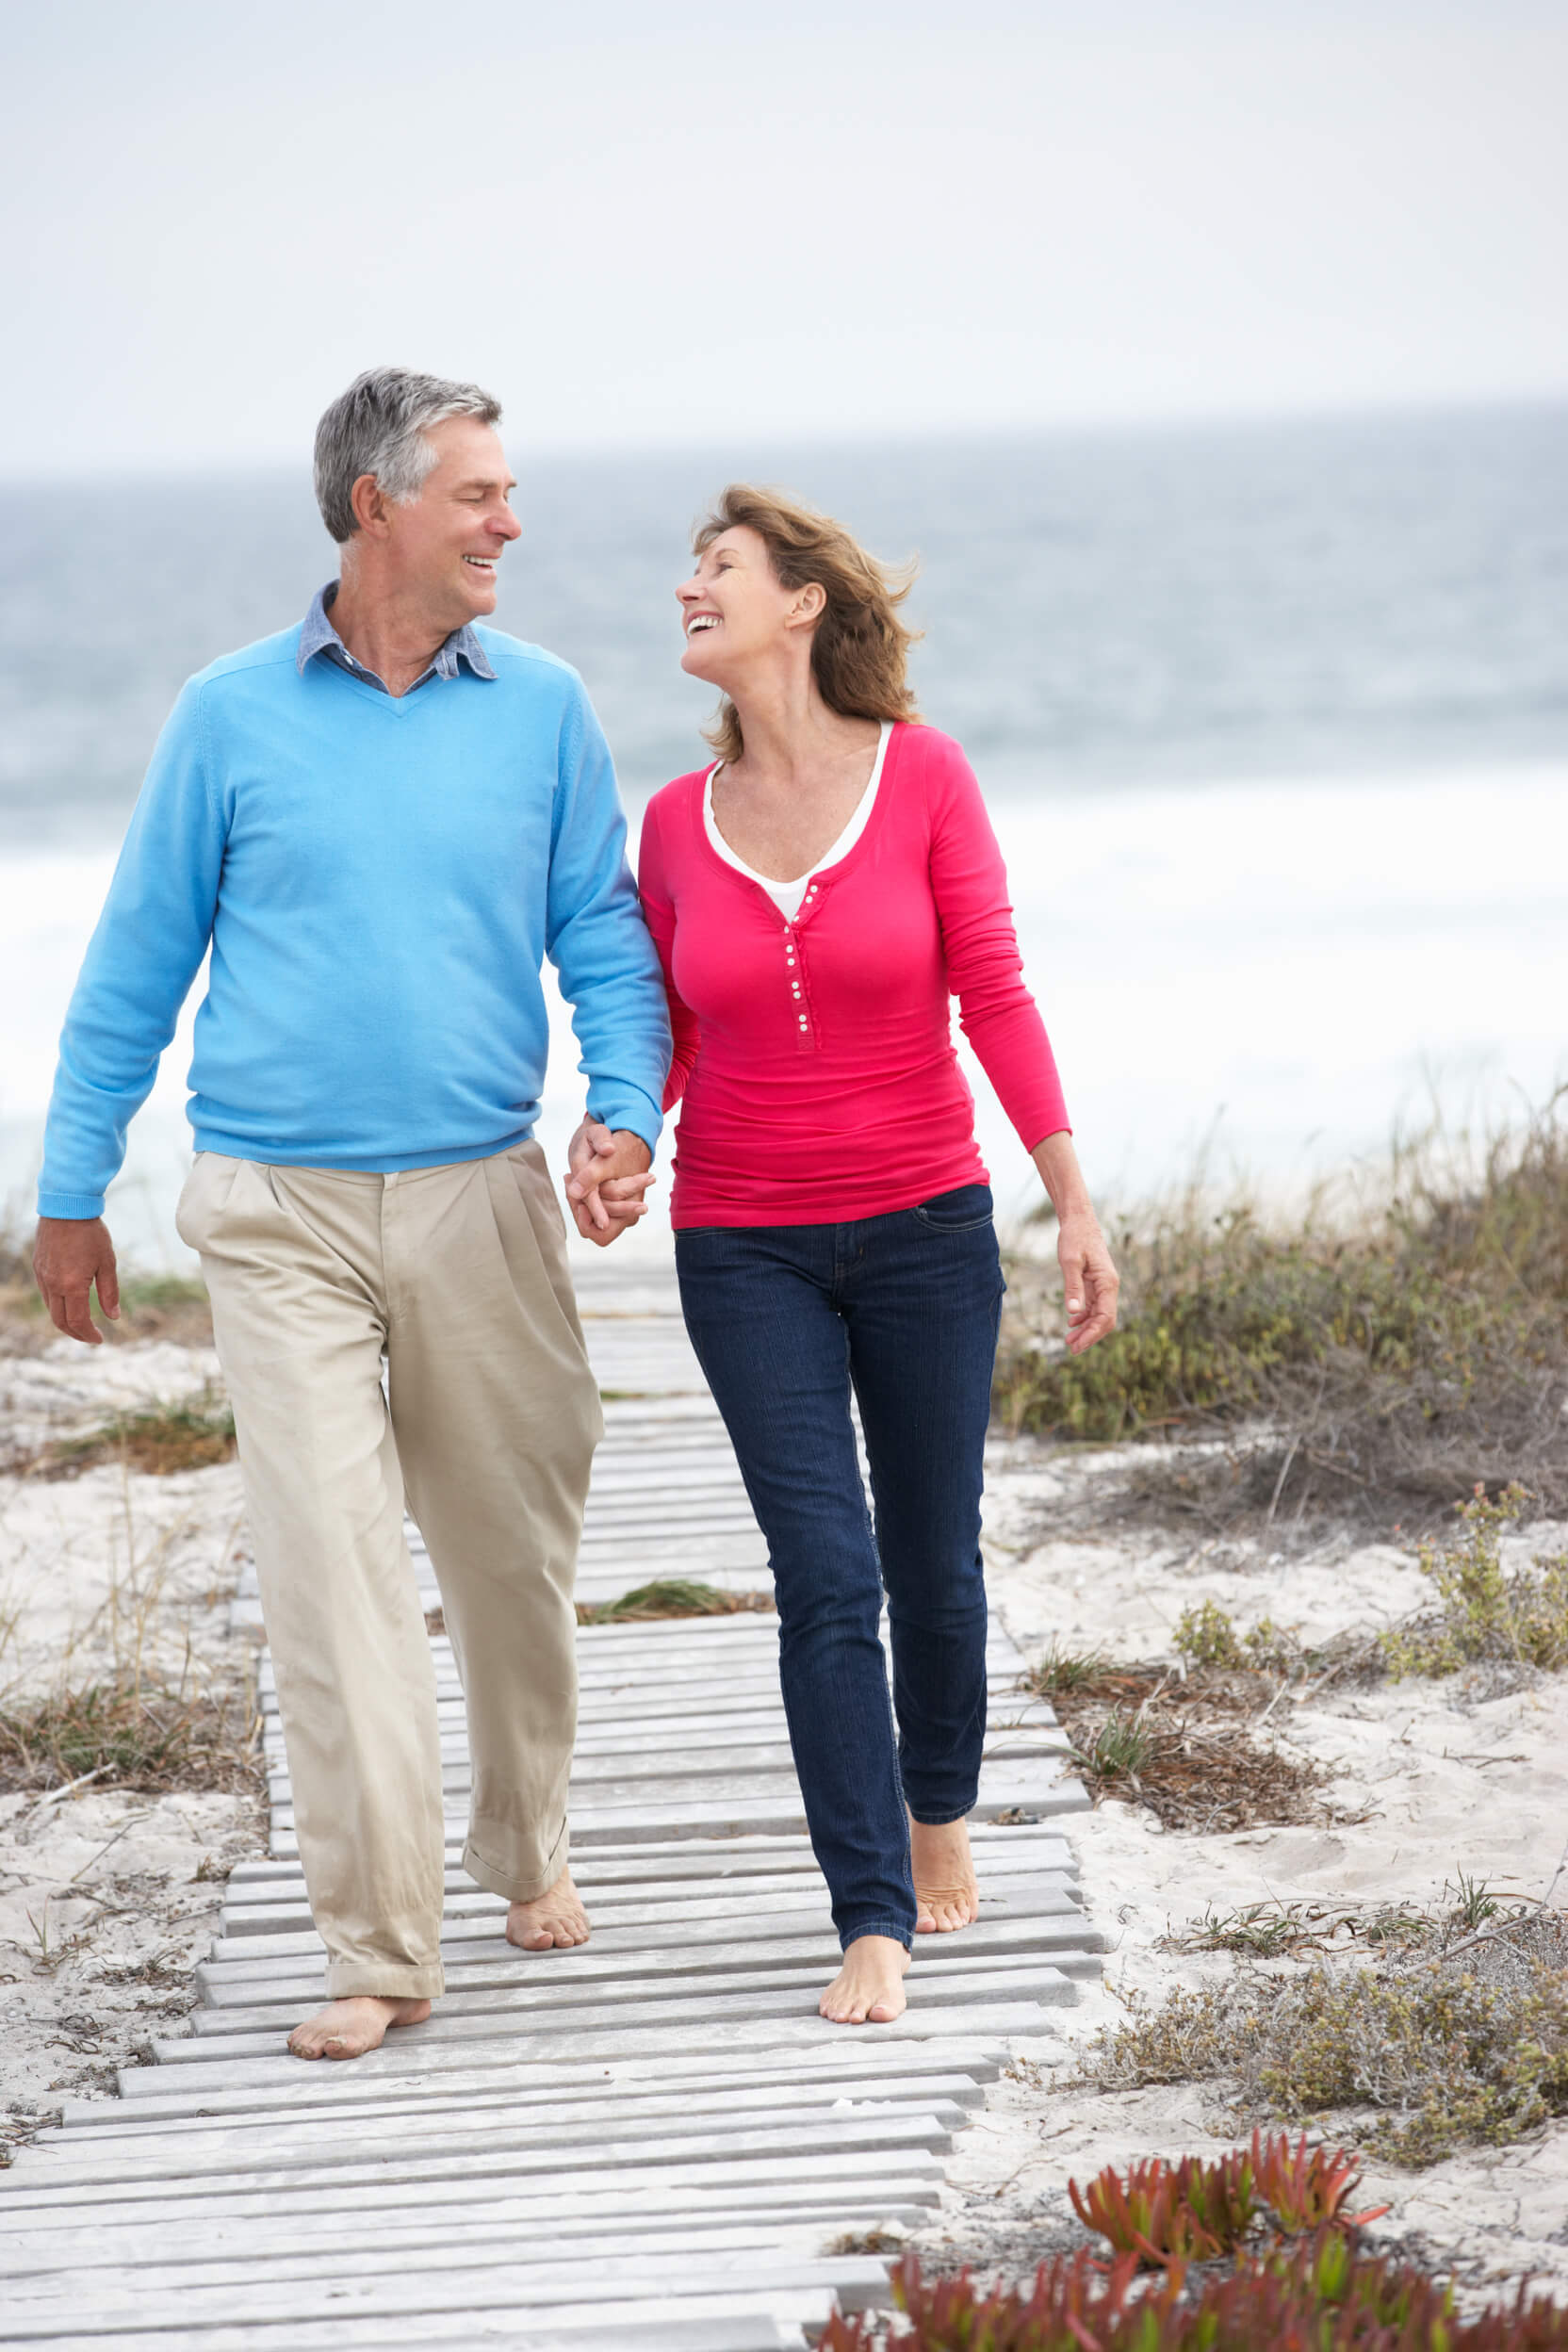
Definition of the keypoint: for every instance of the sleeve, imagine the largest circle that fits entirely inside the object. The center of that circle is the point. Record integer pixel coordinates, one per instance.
(659, 912)
(985, 970)
(595, 937)
(138, 970)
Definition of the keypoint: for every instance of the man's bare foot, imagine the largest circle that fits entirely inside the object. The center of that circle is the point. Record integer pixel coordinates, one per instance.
(346, 2029)
(551, 1921)
(869, 1988)
(945, 1892)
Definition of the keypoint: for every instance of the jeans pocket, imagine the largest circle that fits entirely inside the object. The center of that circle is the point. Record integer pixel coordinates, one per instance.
(964, 1210)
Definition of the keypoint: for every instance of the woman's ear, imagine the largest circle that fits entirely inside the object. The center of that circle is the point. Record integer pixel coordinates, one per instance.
(808, 606)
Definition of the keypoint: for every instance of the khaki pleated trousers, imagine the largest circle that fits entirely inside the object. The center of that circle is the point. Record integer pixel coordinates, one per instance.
(457, 1276)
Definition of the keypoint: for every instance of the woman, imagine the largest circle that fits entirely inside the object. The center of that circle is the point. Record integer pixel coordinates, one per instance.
(813, 897)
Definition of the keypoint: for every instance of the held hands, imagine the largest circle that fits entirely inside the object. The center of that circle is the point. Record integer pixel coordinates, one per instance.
(69, 1256)
(606, 1178)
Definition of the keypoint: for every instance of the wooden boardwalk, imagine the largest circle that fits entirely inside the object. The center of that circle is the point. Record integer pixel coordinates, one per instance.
(648, 2142)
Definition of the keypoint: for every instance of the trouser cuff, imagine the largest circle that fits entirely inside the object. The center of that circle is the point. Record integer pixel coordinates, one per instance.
(392, 1981)
(897, 1929)
(517, 1885)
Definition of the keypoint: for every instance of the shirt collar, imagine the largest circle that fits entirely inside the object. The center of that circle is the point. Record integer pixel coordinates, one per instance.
(318, 635)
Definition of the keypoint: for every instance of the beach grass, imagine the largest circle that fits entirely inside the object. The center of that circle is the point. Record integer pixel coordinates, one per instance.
(121, 1733)
(158, 1441)
(1445, 2037)
(1373, 1363)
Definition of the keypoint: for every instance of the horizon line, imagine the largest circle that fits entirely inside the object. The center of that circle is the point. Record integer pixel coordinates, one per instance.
(1173, 424)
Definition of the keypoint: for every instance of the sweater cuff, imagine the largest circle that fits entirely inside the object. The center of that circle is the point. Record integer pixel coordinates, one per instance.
(635, 1112)
(82, 1204)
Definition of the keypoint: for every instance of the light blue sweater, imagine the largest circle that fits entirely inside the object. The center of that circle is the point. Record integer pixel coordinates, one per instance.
(379, 881)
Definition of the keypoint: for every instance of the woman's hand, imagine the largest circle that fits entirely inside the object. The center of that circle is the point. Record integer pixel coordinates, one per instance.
(1090, 1281)
(607, 1175)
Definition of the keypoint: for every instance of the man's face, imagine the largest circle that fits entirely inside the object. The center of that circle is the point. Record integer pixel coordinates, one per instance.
(447, 543)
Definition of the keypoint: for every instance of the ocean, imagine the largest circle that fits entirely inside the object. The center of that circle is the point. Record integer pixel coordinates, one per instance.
(1273, 722)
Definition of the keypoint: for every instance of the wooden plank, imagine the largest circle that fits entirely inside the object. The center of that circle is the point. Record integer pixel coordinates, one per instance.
(580, 2325)
(635, 2324)
(427, 2286)
(384, 2187)
(285, 2085)
(629, 2037)
(621, 1955)
(630, 2102)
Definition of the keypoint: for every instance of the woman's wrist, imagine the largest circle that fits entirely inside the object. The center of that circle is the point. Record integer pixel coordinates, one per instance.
(1063, 1179)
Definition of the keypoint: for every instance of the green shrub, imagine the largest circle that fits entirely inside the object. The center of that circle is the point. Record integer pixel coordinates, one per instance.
(1401, 1360)
(1482, 1610)
(1451, 2059)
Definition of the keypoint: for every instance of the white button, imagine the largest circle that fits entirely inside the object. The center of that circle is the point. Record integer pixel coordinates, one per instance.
(795, 989)
(803, 1021)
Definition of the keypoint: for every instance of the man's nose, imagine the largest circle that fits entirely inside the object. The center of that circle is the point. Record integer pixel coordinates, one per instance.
(506, 526)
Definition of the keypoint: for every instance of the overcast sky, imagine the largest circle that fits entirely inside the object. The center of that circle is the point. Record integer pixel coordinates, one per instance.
(790, 222)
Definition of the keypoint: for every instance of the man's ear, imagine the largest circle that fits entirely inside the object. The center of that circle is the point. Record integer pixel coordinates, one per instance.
(370, 506)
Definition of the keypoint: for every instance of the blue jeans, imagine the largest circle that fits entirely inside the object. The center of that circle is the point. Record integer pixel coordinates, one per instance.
(784, 1318)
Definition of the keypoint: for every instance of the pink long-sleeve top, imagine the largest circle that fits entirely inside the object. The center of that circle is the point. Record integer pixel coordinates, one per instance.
(814, 1058)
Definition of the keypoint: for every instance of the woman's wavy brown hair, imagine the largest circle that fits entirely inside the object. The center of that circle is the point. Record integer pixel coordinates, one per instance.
(861, 648)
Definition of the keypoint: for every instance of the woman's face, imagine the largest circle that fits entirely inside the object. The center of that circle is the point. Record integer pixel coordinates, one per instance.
(733, 608)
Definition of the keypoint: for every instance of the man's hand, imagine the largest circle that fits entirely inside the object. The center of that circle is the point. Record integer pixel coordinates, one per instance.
(69, 1256)
(606, 1178)
(1090, 1281)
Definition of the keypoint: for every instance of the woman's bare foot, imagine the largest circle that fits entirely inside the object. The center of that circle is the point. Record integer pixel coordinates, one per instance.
(869, 1988)
(552, 1921)
(945, 1892)
(346, 2029)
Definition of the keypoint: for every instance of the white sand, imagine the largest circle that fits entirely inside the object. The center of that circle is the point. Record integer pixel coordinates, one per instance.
(102, 1914)
(1449, 1782)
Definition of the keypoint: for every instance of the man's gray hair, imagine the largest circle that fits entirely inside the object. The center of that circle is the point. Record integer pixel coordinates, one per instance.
(380, 426)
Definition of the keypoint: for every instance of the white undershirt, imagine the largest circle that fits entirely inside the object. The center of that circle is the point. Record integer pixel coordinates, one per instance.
(788, 896)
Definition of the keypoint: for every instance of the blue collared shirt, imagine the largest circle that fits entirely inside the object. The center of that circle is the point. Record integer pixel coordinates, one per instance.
(318, 636)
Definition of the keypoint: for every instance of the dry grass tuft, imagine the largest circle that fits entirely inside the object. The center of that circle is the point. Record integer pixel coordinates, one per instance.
(119, 1734)
(160, 1442)
(1372, 1372)
(671, 1596)
(1187, 1749)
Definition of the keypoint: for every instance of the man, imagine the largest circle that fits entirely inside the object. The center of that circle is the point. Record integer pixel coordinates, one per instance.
(380, 821)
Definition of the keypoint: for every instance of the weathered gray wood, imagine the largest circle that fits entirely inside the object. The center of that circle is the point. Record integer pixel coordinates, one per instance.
(479, 2100)
(510, 2286)
(285, 2085)
(637, 1956)
(572, 2130)
(676, 2025)
(648, 2324)
(384, 2188)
